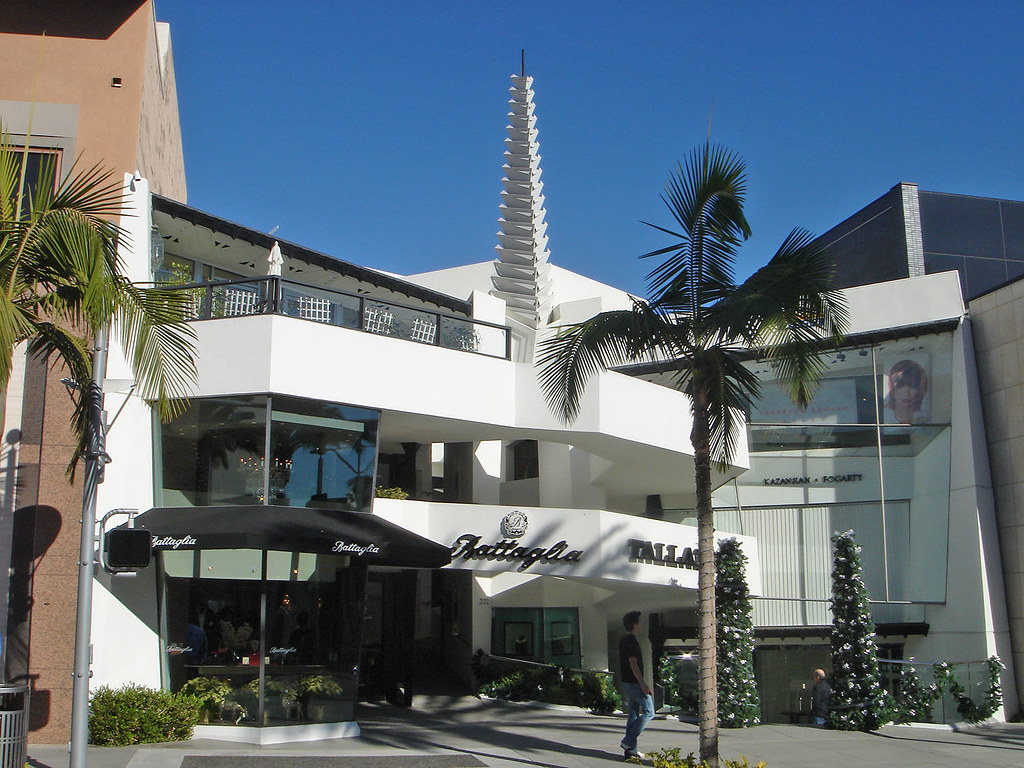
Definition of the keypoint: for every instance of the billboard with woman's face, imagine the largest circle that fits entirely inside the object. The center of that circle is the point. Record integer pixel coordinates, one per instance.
(906, 390)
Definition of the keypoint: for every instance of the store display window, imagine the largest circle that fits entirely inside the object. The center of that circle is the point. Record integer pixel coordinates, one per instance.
(264, 637)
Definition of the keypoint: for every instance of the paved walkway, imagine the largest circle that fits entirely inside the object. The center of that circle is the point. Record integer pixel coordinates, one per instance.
(453, 732)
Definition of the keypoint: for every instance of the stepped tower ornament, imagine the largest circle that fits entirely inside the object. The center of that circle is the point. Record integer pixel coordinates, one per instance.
(522, 270)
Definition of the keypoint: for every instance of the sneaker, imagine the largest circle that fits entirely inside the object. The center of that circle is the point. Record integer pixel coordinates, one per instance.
(632, 754)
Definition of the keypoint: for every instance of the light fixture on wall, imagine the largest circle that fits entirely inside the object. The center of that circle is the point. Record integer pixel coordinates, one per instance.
(115, 82)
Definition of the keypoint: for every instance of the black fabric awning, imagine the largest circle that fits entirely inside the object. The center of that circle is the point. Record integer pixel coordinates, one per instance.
(291, 529)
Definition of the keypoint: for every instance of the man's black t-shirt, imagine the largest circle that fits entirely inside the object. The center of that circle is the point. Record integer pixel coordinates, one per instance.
(629, 647)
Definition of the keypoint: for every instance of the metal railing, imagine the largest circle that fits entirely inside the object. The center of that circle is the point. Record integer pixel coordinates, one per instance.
(273, 295)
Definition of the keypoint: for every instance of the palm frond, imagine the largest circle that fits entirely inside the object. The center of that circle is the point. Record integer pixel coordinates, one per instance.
(59, 346)
(715, 376)
(789, 309)
(705, 196)
(60, 270)
(578, 352)
(15, 326)
(159, 344)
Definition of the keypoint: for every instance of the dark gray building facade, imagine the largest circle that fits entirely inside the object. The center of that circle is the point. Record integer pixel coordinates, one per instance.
(909, 232)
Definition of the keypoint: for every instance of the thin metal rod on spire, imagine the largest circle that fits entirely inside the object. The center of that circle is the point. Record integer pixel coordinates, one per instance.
(522, 62)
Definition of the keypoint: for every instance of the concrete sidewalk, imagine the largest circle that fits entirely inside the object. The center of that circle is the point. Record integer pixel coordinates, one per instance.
(463, 732)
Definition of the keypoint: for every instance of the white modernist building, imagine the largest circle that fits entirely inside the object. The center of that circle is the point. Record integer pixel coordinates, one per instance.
(280, 572)
(318, 385)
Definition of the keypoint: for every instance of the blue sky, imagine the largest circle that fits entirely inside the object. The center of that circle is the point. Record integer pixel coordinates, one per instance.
(374, 131)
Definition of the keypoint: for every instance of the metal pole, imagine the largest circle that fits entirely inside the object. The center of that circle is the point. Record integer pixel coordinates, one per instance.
(95, 458)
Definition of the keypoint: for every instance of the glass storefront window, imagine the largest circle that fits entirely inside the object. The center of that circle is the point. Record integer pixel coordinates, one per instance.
(213, 453)
(265, 637)
(846, 394)
(915, 473)
(871, 454)
(321, 454)
(275, 634)
(547, 635)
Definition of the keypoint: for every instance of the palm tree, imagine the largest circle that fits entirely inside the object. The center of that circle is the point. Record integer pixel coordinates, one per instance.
(62, 283)
(702, 324)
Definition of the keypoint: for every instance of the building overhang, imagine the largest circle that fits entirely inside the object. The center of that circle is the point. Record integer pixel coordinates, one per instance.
(254, 246)
(648, 370)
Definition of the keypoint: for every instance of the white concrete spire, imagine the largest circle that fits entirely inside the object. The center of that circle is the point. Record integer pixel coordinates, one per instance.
(522, 267)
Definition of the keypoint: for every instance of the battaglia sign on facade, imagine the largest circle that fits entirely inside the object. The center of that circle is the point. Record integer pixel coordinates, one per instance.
(170, 543)
(355, 549)
(657, 553)
(513, 527)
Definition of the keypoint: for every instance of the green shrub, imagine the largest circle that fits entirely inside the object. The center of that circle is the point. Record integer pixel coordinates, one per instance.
(134, 714)
(600, 694)
(672, 758)
(391, 493)
(210, 692)
(553, 685)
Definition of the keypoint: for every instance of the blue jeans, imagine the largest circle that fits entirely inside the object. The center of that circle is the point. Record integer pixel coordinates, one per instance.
(640, 707)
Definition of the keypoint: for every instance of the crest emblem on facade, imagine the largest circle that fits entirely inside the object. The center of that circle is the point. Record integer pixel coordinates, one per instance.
(514, 524)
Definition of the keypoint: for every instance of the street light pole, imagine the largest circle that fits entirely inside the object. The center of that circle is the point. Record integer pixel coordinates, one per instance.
(95, 458)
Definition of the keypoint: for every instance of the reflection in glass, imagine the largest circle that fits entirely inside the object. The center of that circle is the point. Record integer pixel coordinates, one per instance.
(915, 473)
(321, 454)
(213, 453)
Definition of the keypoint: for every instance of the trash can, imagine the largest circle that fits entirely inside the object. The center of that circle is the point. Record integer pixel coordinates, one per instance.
(13, 725)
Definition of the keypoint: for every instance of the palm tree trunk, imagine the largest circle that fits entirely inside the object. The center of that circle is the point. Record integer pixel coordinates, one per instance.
(706, 641)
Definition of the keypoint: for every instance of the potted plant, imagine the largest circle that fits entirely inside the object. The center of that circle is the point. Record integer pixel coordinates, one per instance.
(210, 692)
(283, 707)
(321, 698)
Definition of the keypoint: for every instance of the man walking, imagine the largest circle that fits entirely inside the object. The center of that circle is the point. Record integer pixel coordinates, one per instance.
(640, 704)
(820, 694)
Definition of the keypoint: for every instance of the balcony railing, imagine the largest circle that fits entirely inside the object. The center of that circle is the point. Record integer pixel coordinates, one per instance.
(272, 295)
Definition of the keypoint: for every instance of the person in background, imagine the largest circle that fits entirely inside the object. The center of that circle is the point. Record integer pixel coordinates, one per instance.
(820, 694)
(640, 703)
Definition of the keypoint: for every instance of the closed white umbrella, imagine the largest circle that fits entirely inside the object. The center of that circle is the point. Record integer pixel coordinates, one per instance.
(274, 261)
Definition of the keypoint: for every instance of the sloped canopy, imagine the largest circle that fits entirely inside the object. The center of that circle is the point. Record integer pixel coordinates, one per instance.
(291, 529)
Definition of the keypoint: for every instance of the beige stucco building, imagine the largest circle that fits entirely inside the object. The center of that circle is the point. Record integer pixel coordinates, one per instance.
(92, 83)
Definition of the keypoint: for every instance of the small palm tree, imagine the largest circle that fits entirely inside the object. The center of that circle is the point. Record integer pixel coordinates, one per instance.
(62, 282)
(702, 324)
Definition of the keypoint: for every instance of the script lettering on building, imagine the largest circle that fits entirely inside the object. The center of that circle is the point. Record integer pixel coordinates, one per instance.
(468, 547)
(169, 543)
(657, 553)
(355, 549)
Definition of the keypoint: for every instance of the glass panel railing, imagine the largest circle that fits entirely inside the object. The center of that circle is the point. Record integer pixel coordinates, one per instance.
(238, 298)
(389, 319)
(320, 306)
(467, 336)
